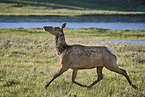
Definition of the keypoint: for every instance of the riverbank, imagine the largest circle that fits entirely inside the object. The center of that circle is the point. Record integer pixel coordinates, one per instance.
(73, 13)
(90, 13)
(84, 33)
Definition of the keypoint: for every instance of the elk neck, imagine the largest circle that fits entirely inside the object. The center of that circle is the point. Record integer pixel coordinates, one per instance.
(61, 45)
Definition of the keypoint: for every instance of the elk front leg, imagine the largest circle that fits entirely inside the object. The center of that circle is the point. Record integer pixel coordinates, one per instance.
(74, 76)
(100, 76)
(62, 70)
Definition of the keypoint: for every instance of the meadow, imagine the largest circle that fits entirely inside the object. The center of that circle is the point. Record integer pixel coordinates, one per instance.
(28, 60)
(71, 8)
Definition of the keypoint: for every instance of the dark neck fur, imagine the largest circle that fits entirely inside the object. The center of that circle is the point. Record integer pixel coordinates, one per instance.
(60, 43)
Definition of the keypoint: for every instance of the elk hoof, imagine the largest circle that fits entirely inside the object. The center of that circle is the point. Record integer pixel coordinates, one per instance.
(133, 86)
(84, 86)
(46, 87)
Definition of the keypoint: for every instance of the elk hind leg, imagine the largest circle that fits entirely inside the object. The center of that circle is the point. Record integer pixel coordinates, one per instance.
(127, 77)
(118, 70)
(100, 76)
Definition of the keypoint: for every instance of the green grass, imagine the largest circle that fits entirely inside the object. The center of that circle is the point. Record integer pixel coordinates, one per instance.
(62, 8)
(105, 34)
(28, 60)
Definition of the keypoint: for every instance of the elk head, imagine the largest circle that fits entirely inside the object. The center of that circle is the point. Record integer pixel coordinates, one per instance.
(54, 30)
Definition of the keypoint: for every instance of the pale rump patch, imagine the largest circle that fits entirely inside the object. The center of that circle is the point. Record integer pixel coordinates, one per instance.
(111, 51)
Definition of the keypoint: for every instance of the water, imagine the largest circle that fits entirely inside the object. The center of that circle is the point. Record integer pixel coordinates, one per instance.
(118, 41)
(126, 41)
(113, 23)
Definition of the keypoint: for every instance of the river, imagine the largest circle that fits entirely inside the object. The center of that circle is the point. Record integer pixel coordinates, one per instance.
(107, 22)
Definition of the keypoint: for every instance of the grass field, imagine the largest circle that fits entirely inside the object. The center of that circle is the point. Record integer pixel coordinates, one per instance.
(41, 8)
(28, 60)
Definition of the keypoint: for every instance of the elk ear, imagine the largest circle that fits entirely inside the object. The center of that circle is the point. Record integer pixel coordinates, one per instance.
(63, 26)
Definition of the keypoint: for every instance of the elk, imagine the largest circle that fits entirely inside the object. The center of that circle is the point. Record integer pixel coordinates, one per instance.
(78, 57)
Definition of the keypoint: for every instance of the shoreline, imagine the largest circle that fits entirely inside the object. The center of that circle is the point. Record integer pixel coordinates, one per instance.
(77, 16)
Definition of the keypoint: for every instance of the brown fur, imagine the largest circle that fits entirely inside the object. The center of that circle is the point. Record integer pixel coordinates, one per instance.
(83, 57)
